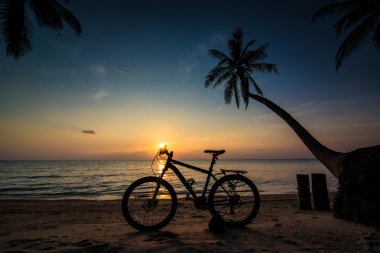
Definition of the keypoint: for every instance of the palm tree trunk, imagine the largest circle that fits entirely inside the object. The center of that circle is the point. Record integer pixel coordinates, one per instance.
(330, 158)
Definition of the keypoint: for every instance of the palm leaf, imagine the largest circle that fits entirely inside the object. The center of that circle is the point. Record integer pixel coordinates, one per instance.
(50, 13)
(214, 74)
(69, 18)
(217, 54)
(247, 46)
(257, 54)
(376, 35)
(244, 83)
(235, 70)
(46, 14)
(229, 91)
(236, 93)
(15, 28)
(226, 76)
(360, 34)
(265, 67)
(257, 87)
(235, 44)
(334, 8)
(350, 19)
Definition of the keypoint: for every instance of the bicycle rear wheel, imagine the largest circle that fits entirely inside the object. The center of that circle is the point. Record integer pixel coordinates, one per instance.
(235, 199)
(142, 211)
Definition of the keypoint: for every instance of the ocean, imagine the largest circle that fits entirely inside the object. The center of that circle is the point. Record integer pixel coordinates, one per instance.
(102, 180)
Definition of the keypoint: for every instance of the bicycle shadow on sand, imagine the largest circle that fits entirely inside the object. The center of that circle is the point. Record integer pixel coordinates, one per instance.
(245, 239)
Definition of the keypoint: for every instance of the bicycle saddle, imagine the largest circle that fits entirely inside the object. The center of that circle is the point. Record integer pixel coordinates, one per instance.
(215, 152)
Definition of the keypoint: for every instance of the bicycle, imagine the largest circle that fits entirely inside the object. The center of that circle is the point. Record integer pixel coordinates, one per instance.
(151, 202)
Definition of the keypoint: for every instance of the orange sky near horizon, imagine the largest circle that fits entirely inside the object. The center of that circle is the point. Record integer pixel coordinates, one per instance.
(135, 78)
(253, 134)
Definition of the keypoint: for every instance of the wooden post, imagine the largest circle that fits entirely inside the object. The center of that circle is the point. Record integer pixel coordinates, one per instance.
(320, 193)
(303, 187)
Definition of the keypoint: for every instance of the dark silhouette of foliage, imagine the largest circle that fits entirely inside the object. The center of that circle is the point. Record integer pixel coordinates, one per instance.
(237, 68)
(359, 18)
(16, 26)
(357, 171)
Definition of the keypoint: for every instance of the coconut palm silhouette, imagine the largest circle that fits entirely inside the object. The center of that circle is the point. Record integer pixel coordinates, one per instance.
(16, 26)
(360, 18)
(357, 171)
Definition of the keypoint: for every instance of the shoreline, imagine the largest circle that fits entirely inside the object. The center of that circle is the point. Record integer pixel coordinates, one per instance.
(263, 196)
(98, 226)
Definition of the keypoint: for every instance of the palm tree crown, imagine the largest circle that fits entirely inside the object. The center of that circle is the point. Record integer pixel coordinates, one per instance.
(361, 17)
(16, 26)
(236, 69)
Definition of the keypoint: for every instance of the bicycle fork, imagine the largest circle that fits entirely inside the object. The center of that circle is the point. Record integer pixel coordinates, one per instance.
(161, 177)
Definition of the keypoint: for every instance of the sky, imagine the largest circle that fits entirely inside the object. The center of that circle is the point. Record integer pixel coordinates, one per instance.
(135, 78)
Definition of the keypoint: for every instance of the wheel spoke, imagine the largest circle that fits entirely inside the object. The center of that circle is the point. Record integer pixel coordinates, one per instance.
(144, 209)
(235, 199)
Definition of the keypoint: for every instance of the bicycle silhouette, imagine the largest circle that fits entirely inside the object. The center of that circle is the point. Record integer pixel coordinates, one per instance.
(151, 202)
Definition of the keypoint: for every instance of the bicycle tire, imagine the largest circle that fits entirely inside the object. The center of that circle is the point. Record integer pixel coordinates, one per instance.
(244, 202)
(144, 213)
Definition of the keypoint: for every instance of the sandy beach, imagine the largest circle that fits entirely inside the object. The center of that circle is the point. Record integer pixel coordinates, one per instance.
(98, 226)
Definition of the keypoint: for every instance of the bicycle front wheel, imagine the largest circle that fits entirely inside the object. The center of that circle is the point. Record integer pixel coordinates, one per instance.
(144, 211)
(235, 199)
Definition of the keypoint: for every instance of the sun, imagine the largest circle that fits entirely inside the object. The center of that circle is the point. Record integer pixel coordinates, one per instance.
(162, 145)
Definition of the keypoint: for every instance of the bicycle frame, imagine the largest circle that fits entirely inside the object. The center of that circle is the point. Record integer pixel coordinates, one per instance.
(170, 165)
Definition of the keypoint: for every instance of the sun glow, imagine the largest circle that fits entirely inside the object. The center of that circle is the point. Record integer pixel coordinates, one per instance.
(162, 145)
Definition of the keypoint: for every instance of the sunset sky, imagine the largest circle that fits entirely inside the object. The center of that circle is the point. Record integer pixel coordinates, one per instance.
(134, 79)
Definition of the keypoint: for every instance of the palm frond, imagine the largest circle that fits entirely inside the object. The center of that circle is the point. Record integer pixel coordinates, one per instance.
(334, 8)
(15, 28)
(247, 46)
(244, 83)
(376, 35)
(228, 92)
(265, 67)
(235, 44)
(51, 14)
(256, 86)
(214, 74)
(217, 54)
(360, 34)
(350, 19)
(235, 70)
(257, 54)
(226, 76)
(46, 14)
(236, 93)
(69, 18)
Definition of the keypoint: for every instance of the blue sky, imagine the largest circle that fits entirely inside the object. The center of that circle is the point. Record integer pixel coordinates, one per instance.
(135, 77)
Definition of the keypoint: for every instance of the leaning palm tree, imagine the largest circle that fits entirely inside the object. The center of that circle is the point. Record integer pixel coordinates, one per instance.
(16, 26)
(360, 18)
(357, 170)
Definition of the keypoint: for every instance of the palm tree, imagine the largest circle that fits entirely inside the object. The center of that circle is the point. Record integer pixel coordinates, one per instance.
(238, 67)
(356, 170)
(361, 18)
(16, 26)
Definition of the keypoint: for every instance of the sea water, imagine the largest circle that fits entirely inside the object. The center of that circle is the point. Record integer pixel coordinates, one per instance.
(109, 179)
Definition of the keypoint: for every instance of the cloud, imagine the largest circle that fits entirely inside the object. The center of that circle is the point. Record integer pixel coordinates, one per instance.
(98, 70)
(88, 131)
(100, 95)
(118, 70)
(186, 67)
(55, 72)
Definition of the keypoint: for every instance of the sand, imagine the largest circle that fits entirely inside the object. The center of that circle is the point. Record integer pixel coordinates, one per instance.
(98, 226)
